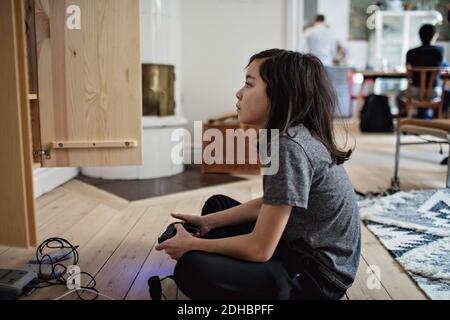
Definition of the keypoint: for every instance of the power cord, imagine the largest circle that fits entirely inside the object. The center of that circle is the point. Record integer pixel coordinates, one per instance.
(58, 270)
(83, 289)
(44, 258)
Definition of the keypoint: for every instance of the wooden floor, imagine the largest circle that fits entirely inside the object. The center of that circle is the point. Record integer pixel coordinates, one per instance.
(117, 237)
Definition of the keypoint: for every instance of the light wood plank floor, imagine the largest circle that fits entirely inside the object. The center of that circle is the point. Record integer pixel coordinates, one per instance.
(117, 237)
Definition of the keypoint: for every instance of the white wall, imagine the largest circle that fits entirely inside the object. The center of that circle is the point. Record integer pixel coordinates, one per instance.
(218, 38)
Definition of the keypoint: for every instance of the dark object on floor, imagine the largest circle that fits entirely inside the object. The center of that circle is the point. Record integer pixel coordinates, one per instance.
(13, 283)
(171, 231)
(376, 115)
(154, 288)
(134, 190)
(444, 162)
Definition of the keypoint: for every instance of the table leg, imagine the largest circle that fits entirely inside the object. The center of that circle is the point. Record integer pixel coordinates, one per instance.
(360, 99)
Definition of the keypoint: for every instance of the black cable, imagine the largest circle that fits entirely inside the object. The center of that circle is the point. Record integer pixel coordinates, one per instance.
(58, 270)
(432, 141)
(48, 285)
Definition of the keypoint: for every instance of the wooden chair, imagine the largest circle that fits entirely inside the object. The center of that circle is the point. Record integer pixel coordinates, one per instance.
(438, 129)
(425, 99)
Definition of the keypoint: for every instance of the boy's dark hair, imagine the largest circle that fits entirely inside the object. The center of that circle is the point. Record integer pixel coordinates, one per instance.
(426, 33)
(300, 92)
(320, 18)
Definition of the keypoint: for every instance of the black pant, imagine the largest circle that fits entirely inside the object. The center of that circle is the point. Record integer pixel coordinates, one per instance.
(205, 276)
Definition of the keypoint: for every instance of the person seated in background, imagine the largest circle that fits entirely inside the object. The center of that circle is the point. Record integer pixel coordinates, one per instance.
(427, 55)
(321, 42)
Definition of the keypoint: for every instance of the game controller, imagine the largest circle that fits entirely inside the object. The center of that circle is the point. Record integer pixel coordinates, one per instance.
(171, 231)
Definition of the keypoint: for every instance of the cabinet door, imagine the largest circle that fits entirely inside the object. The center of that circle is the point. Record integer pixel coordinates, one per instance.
(90, 83)
(17, 224)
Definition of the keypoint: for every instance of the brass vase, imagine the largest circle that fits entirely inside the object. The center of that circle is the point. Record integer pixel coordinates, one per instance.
(158, 84)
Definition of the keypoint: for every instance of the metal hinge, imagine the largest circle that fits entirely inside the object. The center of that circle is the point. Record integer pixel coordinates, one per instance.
(43, 153)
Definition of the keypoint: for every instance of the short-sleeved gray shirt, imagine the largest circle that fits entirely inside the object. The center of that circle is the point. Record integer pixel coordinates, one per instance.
(324, 223)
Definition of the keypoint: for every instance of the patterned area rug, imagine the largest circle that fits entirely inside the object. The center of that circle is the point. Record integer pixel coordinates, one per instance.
(415, 228)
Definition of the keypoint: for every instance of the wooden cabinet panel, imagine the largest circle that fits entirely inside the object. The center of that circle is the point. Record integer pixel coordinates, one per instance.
(90, 83)
(17, 223)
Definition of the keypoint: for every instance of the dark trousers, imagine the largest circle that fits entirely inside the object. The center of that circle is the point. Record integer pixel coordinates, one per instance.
(205, 276)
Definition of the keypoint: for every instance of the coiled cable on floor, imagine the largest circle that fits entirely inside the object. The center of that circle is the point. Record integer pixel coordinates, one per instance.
(59, 271)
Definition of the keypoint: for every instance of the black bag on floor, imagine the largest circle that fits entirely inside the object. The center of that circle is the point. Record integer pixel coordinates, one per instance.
(376, 115)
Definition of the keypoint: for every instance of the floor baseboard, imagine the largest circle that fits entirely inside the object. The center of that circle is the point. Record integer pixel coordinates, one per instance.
(47, 179)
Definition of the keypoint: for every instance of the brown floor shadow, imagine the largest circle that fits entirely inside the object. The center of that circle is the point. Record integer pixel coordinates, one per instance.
(133, 190)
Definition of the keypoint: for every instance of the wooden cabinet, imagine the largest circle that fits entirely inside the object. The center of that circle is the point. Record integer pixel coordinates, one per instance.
(70, 94)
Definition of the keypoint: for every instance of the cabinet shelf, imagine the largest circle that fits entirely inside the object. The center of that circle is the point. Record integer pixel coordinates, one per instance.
(32, 97)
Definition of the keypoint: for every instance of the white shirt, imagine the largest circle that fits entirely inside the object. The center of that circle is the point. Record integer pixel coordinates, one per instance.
(320, 42)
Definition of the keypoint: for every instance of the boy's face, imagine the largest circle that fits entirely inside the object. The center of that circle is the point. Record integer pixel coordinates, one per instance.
(253, 104)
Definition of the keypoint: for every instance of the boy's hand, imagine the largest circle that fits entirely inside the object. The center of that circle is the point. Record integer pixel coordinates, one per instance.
(197, 221)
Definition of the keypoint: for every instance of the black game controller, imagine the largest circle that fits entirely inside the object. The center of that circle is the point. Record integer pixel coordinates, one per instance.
(171, 231)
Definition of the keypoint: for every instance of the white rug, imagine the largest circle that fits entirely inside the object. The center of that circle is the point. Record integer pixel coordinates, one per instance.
(415, 228)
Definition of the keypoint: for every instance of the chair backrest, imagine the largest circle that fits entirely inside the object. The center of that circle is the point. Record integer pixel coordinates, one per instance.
(426, 97)
(428, 76)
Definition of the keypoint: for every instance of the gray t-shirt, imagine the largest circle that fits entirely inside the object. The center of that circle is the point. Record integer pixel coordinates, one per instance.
(324, 223)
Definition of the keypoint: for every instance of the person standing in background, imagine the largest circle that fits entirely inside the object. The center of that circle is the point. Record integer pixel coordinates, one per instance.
(320, 41)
